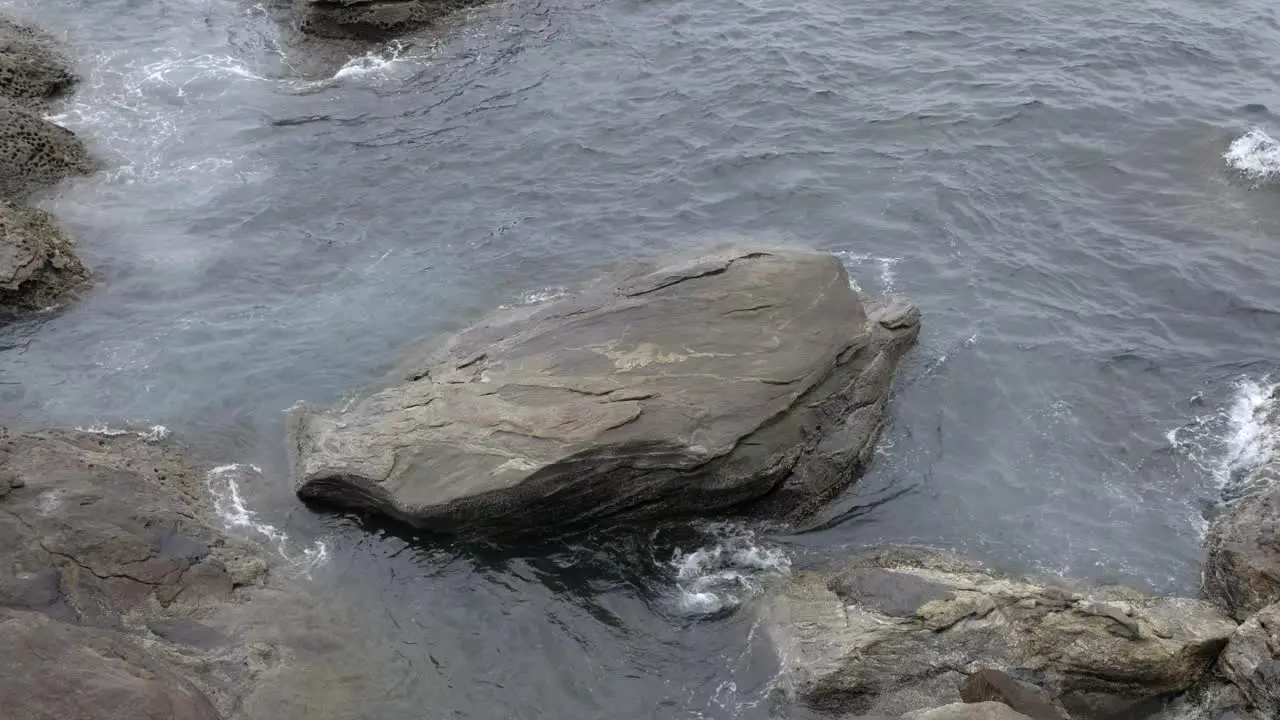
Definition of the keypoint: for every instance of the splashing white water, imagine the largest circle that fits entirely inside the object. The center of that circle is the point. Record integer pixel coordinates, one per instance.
(1255, 155)
(1233, 443)
(375, 62)
(229, 504)
(155, 433)
(536, 297)
(722, 575)
(887, 276)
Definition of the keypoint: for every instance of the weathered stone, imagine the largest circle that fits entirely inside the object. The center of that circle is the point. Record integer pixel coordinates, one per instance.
(744, 377)
(967, 711)
(841, 652)
(32, 68)
(36, 154)
(38, 266)
(1243, 569)
(371, 19)
(988, 685)
(1251, 661)
(120, 523)
(52, 670)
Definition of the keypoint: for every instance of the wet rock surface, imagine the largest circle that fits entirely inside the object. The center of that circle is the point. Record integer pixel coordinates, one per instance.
(749, 377)
(38, 264)
(109, 562)
(927, 621)
(371, 19)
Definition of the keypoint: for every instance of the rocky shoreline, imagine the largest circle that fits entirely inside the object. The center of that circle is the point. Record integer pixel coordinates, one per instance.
(38, 265)
(749, 382)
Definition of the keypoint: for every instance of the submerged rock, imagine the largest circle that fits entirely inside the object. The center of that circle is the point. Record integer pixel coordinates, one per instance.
(1243, 569)
(36, 154)
(38, 266)
(899, 629)
(32, 68)
(370, 19)
(748, 376)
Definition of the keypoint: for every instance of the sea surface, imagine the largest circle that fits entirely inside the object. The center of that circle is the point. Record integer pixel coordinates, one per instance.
(1081, 197)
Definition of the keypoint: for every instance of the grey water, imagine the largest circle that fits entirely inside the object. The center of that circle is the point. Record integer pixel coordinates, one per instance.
(1077, 194)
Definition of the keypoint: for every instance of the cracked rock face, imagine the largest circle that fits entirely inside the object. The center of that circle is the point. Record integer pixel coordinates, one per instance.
(901, 629)
(370, 19)
(1251, 661)
(109, 569)
(744, 377)
(103, 527)
(1243, 569)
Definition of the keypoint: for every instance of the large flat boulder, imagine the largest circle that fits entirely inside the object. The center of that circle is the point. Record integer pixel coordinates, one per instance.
(1243, 568)
(746, 376)
(38, 266)
(898, 630)
(33, 69)
(370, 19)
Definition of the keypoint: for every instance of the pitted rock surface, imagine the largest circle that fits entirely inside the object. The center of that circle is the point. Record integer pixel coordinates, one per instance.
(36, 154)
(33, 69)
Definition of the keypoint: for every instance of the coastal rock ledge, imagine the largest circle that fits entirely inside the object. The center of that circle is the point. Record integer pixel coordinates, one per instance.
(747, 377)
(900, 629)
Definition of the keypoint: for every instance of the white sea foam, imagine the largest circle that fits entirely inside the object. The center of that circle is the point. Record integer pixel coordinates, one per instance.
(1233, 443)
(886, 276)
(229, 504)
(377, 62)
(723, 574)
(154, 433)
(536, 297)
(1255, 155)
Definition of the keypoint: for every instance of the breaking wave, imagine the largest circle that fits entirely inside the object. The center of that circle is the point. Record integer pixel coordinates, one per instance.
(720, 576)
(1254, 155)
(1234, 443)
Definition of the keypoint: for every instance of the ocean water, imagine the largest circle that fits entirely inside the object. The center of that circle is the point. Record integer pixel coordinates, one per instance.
(1081, 197)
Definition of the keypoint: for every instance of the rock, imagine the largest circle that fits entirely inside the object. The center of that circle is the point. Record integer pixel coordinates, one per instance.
(1243, 569)
(371, 19)
(115, 581)
(1251, 661)
(51, 670)
(36, 154)
(38, 267)
(32, 68)
(898, 646)
(122, 524)
(995, 686)
(965, 711)
(743, 377)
